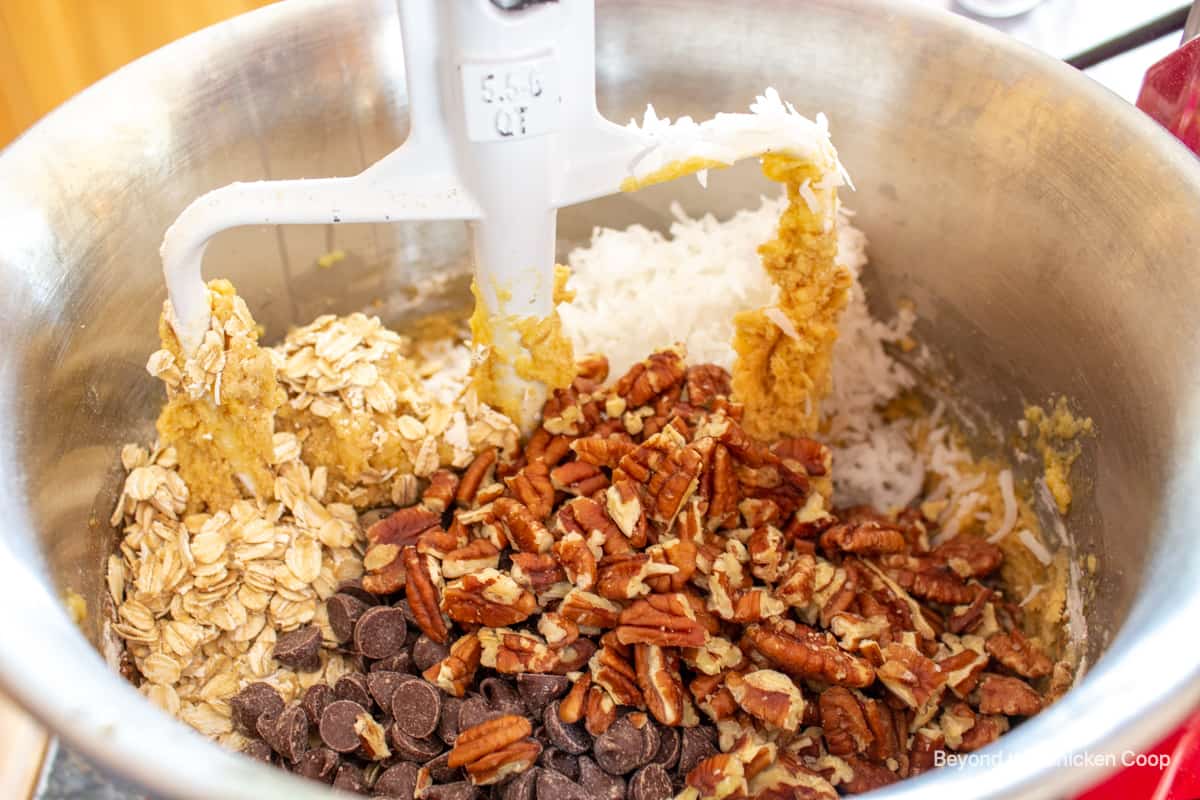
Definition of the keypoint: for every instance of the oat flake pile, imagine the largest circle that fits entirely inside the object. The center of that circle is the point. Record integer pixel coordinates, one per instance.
(338, 560)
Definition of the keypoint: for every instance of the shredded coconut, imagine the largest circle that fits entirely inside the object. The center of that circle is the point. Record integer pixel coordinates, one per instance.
(1007, 494)
(1035, 547)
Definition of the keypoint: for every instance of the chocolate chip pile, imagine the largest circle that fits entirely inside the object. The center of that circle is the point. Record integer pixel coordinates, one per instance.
(645, 602)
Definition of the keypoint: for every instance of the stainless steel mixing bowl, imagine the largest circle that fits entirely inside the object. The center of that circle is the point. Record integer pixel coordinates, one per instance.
(1047, 232)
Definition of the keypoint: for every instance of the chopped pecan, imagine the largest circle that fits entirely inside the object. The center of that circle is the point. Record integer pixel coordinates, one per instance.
(623, 577)
(577, 559)
(759, 511)
(969, 556)
(384, 569)
(999, 694)
(986, 730)
(422, 590)
(478, 555)
(475, 476)
(864, 538)
(454, 673)
(372, 738)
(623, 502)
(713, 696)
(649, 378)
(1019, 654)
(557, 630)
(804, 456)
(533, 488)
(499, 765)
(443, 485)
(666, 620)
(589, 610)
(769, 696)
(578, 478)
(573, 706)
(721, 777)
(403, 527)
(853, 631)
(934, 583)
(717, 655)
(785, 779)
(567, 413)
(522, 528)
(723, 490)
(599, 711)
(489, 597)
(705, 383)
(611, 670)
(885, 738)
(593, 368)
(766, 548)
(603, 451)
(910, 676)
(488, 738)
(659, 681)
(844, 723)
(586, 517)
(1062, 677)
(956, 720)
(926, 744)
(867, 776)
(537, 572)
(803, 652)
(511, 652)
(966, 618)
(964, 665)
(547, 448)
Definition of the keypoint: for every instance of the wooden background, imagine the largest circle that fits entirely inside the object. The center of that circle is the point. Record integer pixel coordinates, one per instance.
(51, 49)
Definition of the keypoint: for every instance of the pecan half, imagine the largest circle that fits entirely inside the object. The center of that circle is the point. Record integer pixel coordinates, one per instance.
(578, 478)
(1019, 654)
(476, 475)
(720, 777)
(443, 486)
(589, 610)
(844, 723)
(769, 696)
(577, 559)
(611, 670)
(865, 538)
(624, 576)
(649, 378)
(488, 738)
(489, 597)
(478, 555)
(666, 620)
(658, 678)
(803, 652)
(603, 451)
(532, 487)
(421, 589)
(1013, 697)
(910, 676)
(403, 527)
(537, 572)
(522, 528)
(969, 556)
(454, 673)
(511, 652)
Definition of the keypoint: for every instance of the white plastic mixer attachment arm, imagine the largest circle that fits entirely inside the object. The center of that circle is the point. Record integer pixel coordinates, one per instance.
(504, 131)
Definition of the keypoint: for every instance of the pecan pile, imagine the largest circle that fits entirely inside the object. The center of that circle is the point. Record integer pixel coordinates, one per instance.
(646, 602)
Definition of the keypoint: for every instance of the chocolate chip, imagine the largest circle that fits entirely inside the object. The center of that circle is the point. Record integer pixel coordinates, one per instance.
(401, 662)
(319, 764)
(289, 735)
(316, 697)
(264, 726)
(598, 783)
(382, 685)
(398, 780)
(622, 748)
(448, 726)
(337, 725)
(650, 783)
(379, 632)
(350, 778)
(651, 738)
(553, 786)
(258, 750)
(568, 737)
(300, 649)
(354, 588)
(502, 695)
(521, 787)
(353, 686)
(475, 710)
(254, 701)
(416, 707)
(426, 652)
(695, 745)
(460, 790)
(559, 761)
(344, 610)
(668, 748)
(441, 772)
(411, 748)
(538, 690)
